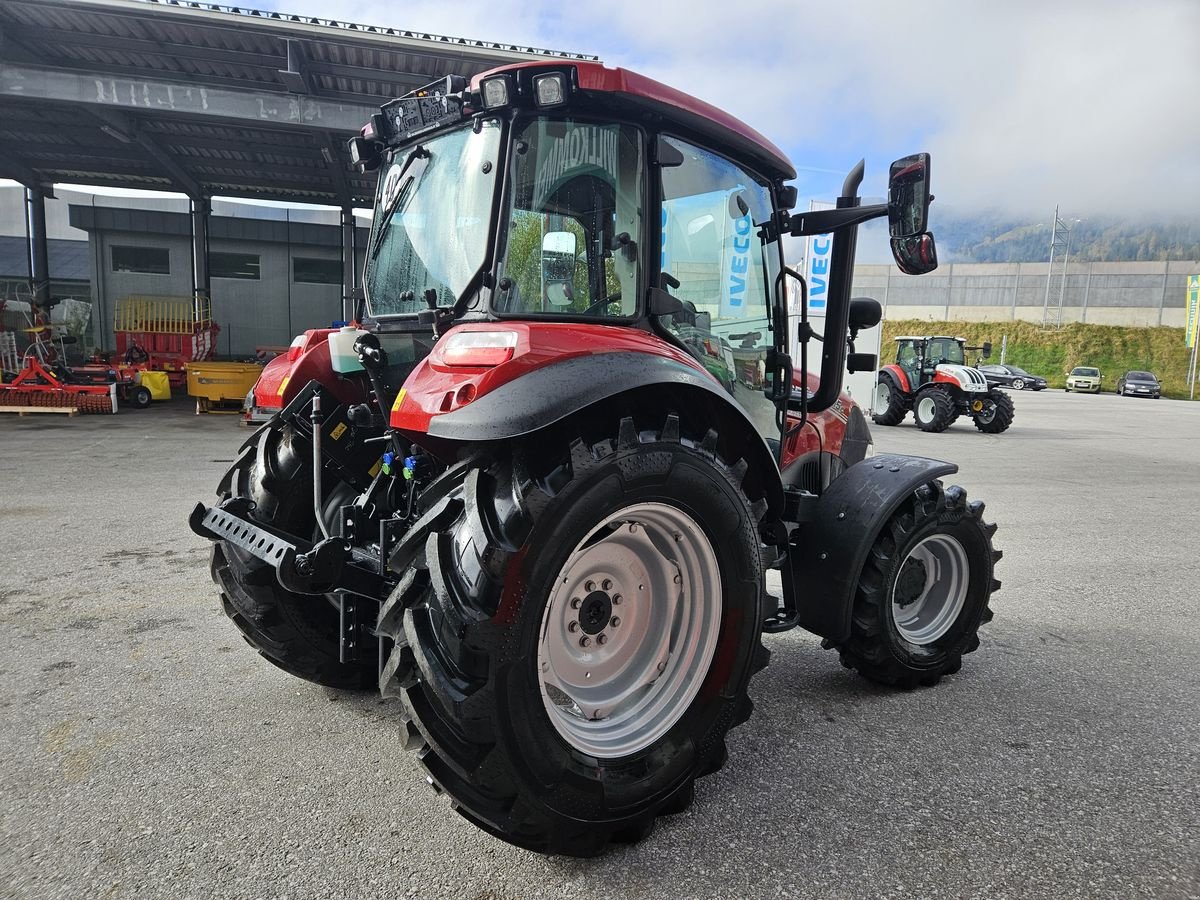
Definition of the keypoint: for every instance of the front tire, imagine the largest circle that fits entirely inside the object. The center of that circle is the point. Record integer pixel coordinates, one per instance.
(888, 407)
(141, 397)
(999, 417)
(541, 739)
(924, 591)
(1018, 384)
(934, 409)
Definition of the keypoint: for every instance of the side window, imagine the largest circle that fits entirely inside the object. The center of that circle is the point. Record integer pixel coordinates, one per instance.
(710, 245)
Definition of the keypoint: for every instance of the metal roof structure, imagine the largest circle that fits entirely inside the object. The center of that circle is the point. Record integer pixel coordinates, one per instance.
(206, 99)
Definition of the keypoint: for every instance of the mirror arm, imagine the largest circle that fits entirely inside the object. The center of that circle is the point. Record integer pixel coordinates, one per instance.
(823, 221)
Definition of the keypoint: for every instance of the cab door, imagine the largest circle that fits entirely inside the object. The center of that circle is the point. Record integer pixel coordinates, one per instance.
(715, 260)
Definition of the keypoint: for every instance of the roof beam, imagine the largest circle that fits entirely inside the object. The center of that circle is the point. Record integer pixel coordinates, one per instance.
(122, 127)
(18, 170)
(11, 47)
(148, 96)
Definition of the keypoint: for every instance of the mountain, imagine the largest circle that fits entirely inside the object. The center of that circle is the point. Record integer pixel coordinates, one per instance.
(993, 237)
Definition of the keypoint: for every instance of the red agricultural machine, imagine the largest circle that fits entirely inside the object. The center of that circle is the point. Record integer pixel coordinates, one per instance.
(45, 383)
(164, 334)
(535, 495)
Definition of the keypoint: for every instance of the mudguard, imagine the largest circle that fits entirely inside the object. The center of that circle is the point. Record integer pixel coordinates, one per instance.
(828, 550)
(549, 394)
(898, 377)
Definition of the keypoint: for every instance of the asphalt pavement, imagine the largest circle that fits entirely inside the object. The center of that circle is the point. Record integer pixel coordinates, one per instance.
(146, 751)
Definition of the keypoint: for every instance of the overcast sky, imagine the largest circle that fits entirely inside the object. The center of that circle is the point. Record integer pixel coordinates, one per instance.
(1090, 104)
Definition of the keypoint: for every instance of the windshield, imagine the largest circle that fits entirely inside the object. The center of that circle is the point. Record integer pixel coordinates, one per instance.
(1016, 371)
(431, 220)
(1140, 376)
(944, 350)
(574, 220)
(1085, 371)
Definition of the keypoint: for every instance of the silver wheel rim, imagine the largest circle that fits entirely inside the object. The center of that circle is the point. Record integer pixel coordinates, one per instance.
(883, 396)
(936, 572)
(1018, 384)
(630, 630)
(927, 409)
(986, 415)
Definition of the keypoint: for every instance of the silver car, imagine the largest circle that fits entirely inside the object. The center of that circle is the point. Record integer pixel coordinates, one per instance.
(1084, 379)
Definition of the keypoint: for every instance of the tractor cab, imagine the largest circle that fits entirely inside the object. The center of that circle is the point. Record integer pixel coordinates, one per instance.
(919, 357)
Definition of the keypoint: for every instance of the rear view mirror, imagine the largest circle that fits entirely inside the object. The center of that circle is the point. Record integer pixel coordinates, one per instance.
(558, 267)
(915, 255)
(908, 196)
(865, 312)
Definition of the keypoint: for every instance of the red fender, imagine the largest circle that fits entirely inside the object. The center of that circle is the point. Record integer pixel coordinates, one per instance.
(307, 358)
(900, 375)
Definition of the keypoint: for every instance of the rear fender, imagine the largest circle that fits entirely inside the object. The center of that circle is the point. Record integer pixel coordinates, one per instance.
(827, 552)
(541, 397)
(897, 376)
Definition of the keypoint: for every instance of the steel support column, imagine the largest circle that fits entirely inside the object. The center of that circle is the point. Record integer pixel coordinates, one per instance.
(201, 210)
(39, 282)
(349, 261)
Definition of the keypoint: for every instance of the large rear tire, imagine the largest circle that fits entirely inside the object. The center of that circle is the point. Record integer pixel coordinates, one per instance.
(581, 635)
(934, 409)
(888, 407)
(999, 417)
(299, 633)
(924, 591)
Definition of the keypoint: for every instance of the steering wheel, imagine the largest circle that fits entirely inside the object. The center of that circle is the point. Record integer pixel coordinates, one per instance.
(601, 303)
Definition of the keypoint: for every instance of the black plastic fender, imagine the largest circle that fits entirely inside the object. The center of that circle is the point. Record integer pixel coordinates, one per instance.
(551, 393)
(828, 551)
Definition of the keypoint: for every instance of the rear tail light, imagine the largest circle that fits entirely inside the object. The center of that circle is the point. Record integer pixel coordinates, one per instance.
(479, 349)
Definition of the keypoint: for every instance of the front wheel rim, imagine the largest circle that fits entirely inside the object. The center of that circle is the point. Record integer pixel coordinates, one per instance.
(927, 409)
(930, 590)
(630, 630)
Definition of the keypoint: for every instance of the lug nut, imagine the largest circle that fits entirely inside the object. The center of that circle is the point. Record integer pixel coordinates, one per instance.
(572, 626)
(576, 603)
(616, 620)
(602, 639)
(606, 584)
(678, 578)
(589, 586)
(585, 641)
(616, 599)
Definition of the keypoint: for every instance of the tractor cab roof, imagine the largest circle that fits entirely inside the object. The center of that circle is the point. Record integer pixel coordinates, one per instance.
(669, 104)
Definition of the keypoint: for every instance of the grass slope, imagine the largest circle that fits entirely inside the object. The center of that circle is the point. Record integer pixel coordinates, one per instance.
(1114, 349)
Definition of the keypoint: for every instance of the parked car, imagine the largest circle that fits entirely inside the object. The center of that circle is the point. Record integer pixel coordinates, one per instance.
(1012, 376)
(1085, 379)
(1139, 384)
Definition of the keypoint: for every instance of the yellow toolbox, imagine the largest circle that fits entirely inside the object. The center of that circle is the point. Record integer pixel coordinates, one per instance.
(214, 383)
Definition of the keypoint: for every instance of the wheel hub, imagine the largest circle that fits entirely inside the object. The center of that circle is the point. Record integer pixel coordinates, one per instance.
(911, 581)
(595, 612)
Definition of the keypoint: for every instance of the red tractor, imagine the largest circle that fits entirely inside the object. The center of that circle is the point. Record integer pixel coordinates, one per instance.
(535, 494)
(930, 376)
